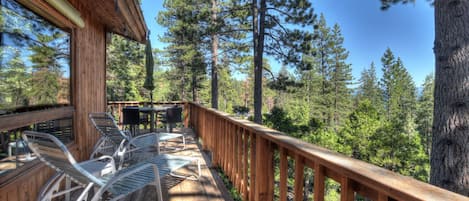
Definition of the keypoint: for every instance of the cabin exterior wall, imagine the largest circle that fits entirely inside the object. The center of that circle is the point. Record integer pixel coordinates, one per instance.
(88, 53)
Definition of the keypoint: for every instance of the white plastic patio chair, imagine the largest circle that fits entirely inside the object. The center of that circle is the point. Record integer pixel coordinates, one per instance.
(116, 184)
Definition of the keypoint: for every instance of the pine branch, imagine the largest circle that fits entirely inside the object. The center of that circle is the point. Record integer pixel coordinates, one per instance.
(278, 23)
(280, 11)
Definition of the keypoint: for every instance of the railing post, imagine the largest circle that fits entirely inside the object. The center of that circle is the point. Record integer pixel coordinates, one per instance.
(264, 170)
(187, 112)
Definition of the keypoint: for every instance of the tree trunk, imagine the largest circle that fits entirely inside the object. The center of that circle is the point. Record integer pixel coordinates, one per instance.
(214, 37)
(450, 146)
(257, 63)
(183, 82)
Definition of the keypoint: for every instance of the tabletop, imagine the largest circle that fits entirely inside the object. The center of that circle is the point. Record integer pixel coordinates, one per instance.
(154, 109)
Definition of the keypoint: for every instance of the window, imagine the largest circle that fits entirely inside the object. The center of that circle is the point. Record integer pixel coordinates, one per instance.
(34, 75)
(34, 62)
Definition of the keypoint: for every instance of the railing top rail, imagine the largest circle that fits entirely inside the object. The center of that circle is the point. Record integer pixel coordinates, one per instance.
(140, 102)
(380, 179)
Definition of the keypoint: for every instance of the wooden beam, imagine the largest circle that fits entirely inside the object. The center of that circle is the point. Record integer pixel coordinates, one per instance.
(13, 121)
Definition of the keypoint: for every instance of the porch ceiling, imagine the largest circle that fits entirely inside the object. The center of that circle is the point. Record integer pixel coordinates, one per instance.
(123, 17)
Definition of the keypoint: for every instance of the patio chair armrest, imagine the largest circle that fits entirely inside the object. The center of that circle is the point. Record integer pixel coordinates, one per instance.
(144, 135)
(101, 158)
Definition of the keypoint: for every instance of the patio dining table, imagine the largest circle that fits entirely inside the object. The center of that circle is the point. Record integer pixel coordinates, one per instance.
(152, 111)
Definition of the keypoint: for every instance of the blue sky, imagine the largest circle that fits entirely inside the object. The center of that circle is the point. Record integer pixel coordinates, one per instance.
(407, 29)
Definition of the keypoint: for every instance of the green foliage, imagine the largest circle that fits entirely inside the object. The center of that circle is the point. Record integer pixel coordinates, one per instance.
(233, 192)
(326, 75)
(15, 82)
(125, 70)
(185, 25)
(399, 91)
(358, 130)
(385, 126)
(369, 88)
(278, 120)
(424, 118)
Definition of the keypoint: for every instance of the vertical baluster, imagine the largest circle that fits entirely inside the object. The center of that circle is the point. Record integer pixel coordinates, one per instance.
(209, 131)
(235, 156)
(299, 176)
(239, 158)
(216, 152)
(283, 174)
(346, 193)
(233, 153)
(225, 147)
(252, 169)
(318, 182)
(264, 170)
(245, 164)
(382, 197)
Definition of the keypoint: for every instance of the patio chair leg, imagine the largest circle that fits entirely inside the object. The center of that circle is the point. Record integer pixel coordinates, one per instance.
(183, 142)
(52, 186)
(84, 194)
(193, 178)
(157, 183)
(68, 184)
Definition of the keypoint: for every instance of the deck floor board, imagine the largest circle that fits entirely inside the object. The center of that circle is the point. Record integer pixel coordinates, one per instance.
(209, 186)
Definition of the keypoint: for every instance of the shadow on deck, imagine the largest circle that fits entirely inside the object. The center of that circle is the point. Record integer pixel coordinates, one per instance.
(208, 187)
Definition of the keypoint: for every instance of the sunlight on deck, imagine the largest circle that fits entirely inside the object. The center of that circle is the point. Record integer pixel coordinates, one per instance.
(208, 187)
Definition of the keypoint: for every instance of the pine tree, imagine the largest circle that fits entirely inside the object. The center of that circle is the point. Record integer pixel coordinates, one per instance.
(227, 30)
(398, 90)
(16, 82)
(424, 118)
(341, 77)
(125, 70)
(272, 36)
(283, 84)
(185, 35)
(369, 88)
(359, 129)
(321, 64)
(449, 144)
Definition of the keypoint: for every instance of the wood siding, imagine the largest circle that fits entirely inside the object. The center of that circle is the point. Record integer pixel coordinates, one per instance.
(88, 50)
(89, 78)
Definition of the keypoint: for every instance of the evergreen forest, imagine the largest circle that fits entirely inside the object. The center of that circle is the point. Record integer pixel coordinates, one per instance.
(384, 120)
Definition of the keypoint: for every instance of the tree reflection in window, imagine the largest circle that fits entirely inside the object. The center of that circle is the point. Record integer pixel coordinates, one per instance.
(34, 60)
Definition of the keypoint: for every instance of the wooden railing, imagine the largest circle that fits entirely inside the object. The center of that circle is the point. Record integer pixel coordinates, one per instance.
(245, 151)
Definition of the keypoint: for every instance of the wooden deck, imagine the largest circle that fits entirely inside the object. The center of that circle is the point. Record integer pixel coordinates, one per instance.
(208, 187)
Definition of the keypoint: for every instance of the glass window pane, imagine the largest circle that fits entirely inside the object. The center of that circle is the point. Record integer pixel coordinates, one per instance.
(34, 60)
